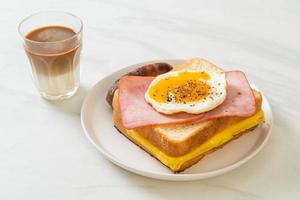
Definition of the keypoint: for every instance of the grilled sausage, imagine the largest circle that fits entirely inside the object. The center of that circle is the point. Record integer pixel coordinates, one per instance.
(146, 70)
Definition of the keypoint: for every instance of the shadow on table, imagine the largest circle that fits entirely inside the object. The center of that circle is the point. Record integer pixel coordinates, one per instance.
(72, 105)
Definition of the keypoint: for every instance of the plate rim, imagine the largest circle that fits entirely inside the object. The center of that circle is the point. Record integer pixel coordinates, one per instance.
(163, 176)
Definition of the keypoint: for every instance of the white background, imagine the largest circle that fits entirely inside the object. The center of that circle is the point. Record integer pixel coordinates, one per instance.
(43, 151)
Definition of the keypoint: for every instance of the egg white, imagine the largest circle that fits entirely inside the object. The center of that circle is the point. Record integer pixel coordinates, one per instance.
(217, 83)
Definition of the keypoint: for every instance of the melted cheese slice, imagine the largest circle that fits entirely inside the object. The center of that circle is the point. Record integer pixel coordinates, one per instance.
(215, 141)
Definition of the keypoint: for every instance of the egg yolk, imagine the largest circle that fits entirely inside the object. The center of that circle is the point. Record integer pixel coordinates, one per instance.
(184, 88)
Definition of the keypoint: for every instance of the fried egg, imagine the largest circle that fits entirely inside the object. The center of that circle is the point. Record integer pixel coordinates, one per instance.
(195, 90)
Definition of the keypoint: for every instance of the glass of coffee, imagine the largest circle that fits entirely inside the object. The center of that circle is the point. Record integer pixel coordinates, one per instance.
(52, 42)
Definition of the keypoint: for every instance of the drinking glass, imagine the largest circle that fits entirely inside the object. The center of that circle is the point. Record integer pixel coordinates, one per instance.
(52, 41)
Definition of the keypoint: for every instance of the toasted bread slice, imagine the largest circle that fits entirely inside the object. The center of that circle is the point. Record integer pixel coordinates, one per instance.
(179, 139)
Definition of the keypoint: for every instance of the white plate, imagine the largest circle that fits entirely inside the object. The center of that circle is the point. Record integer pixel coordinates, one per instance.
(96, 119)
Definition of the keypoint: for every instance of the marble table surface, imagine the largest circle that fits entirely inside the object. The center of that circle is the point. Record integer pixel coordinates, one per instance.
(44, 153)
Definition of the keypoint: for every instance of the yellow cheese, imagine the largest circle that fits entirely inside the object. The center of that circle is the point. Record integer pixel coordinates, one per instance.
(217, 140)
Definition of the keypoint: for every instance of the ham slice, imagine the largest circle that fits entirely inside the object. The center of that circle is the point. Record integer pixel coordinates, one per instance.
(136, 112)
